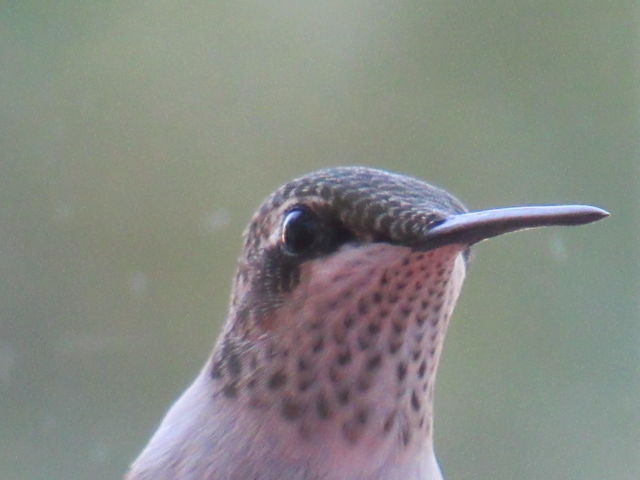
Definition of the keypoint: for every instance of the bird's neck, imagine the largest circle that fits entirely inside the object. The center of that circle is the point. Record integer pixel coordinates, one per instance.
(336, 386)
(218, 437)
(348, 383)
(350, 444)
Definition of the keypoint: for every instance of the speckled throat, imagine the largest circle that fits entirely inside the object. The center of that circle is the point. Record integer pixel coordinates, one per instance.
(348, 364)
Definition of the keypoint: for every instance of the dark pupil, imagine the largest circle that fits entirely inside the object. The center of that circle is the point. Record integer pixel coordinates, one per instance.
(299, 230)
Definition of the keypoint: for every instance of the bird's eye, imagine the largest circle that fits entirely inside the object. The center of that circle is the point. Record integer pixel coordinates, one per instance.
(300, 230)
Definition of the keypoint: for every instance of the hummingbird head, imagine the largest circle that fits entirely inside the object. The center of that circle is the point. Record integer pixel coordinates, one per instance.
(314, 217)
(341, 302)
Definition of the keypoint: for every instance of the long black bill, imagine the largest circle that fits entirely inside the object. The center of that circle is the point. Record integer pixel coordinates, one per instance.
(473, 227)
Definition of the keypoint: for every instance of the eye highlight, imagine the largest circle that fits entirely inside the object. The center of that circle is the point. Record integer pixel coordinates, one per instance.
(300, 230)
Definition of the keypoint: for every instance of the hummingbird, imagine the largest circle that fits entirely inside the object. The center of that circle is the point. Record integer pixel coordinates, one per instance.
(326, 366)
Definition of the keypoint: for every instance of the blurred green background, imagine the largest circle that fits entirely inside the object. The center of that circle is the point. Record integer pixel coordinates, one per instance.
(138, 137)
